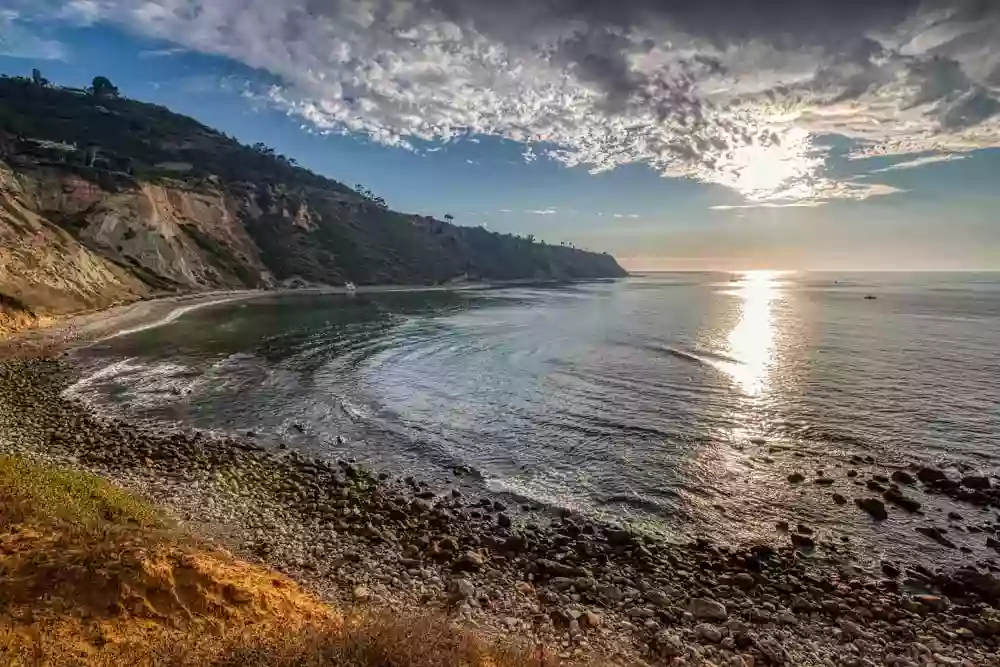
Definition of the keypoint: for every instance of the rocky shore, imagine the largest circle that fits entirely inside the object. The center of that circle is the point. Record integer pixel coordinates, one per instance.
(581, 588)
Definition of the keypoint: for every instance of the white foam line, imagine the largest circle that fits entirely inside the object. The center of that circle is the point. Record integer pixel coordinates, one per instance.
(174, 315)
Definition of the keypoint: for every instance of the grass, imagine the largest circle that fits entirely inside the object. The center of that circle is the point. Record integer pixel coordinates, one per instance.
(32, 492)
(92, 575)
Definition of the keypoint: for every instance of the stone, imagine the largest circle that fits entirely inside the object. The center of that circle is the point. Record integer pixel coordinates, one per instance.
(902, 477)
(839, 499)
(470, 561)
(874, 507)
(796, 478)
(978, 482)
(708, 609)
(896, 497)
(610, 592)
(361, 593)
(524, 588)
(461, 589)
(929, 475)
(936, 534)
(503, 520)
(669, 644)
(709, 632)
(744, 580)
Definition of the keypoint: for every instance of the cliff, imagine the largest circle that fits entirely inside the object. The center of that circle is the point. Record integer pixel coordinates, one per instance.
(104, 200)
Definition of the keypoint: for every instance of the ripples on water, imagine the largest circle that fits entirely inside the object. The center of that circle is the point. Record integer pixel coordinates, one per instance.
(676, 401)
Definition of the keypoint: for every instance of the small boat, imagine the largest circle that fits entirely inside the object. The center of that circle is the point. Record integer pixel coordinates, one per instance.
(351, 288)
(870, 297)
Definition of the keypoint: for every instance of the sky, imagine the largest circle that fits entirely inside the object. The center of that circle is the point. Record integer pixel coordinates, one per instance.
(674, 134)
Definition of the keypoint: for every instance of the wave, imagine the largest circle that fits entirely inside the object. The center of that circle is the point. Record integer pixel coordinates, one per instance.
(696, 356)
(173, 315)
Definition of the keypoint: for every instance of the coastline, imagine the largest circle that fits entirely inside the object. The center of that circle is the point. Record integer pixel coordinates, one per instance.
(585, 588)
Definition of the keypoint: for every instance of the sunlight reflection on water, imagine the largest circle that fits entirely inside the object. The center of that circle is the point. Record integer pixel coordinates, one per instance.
(751, 341)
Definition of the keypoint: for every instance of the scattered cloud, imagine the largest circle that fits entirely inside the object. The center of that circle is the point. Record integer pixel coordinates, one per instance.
(719, 91)
(921, 161)
(19, 40)
(765, 204)
(162, 53)
(542, 211)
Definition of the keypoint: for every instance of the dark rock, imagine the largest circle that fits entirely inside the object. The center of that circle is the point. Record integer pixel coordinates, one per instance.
(977, 482)
(823, 481)
(929, 475)
(708, 609)
(935, 534)
(803, 541)
(889, 569)
(902, 477)
(796, 478)
(839, 499)
(875, 486)
(896, 497)
(874, 507)
(503, 520)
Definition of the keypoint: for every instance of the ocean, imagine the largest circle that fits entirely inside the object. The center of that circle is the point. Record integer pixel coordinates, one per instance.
(676, 402)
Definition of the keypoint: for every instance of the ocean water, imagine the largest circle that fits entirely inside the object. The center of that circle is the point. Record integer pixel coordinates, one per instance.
(678, 402)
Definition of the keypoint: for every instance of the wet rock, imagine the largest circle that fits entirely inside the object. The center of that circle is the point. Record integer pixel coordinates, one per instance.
(902, 477)
(889, 569)
(839, 499)
(978, 482)
(936, 534)
(875, 486)
(929, 475)
(796, 478)
(874, 507)
(708, 609)
(896, 497)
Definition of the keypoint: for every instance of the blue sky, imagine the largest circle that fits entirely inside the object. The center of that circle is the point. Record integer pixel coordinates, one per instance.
(812, 187)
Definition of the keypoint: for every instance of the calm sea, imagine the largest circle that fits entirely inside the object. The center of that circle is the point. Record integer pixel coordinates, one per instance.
(677, 401)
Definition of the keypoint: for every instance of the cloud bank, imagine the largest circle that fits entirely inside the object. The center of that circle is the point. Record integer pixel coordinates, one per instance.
(732, 93)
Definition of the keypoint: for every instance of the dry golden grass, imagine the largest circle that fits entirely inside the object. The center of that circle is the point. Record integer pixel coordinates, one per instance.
(90, 575)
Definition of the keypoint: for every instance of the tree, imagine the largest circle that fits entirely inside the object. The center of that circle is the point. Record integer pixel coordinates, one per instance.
(102, 88)
(370, 196)
(38, 79)
(449, 217)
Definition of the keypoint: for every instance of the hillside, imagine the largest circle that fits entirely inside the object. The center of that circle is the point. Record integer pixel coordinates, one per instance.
(105, 199)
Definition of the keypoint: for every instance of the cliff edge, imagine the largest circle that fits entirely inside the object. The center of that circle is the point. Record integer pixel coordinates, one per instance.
(105, 200)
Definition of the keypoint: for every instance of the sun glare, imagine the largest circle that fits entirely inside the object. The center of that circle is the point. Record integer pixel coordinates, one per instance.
(751, 341)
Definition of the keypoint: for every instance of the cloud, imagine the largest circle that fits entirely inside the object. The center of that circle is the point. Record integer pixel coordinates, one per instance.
(765, 204)
(18, 40)
(720, 91)
(921, 161)
(542, 211)
(162, 53)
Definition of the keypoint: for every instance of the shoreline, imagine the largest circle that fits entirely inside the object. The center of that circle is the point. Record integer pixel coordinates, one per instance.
(582, 587)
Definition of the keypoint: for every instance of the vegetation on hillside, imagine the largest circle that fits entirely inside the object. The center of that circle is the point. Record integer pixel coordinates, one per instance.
(307, 227)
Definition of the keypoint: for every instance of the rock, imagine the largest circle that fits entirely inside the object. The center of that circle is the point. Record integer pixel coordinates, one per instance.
(361, 594)
(977, 482)
(591, 619)
(839, 499)
(935, 534)
(708, 609)
(744, 581)
(874, 507)
(709, 632)
(461, 589)
(929, 475)
(503, 520)
(470, 561)
(669, 644)
(803, 541)
(902, 477)
(889, 569)
(823, 481)
(524, 588)
(610, 592)
(896, 497)
(796, 478)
